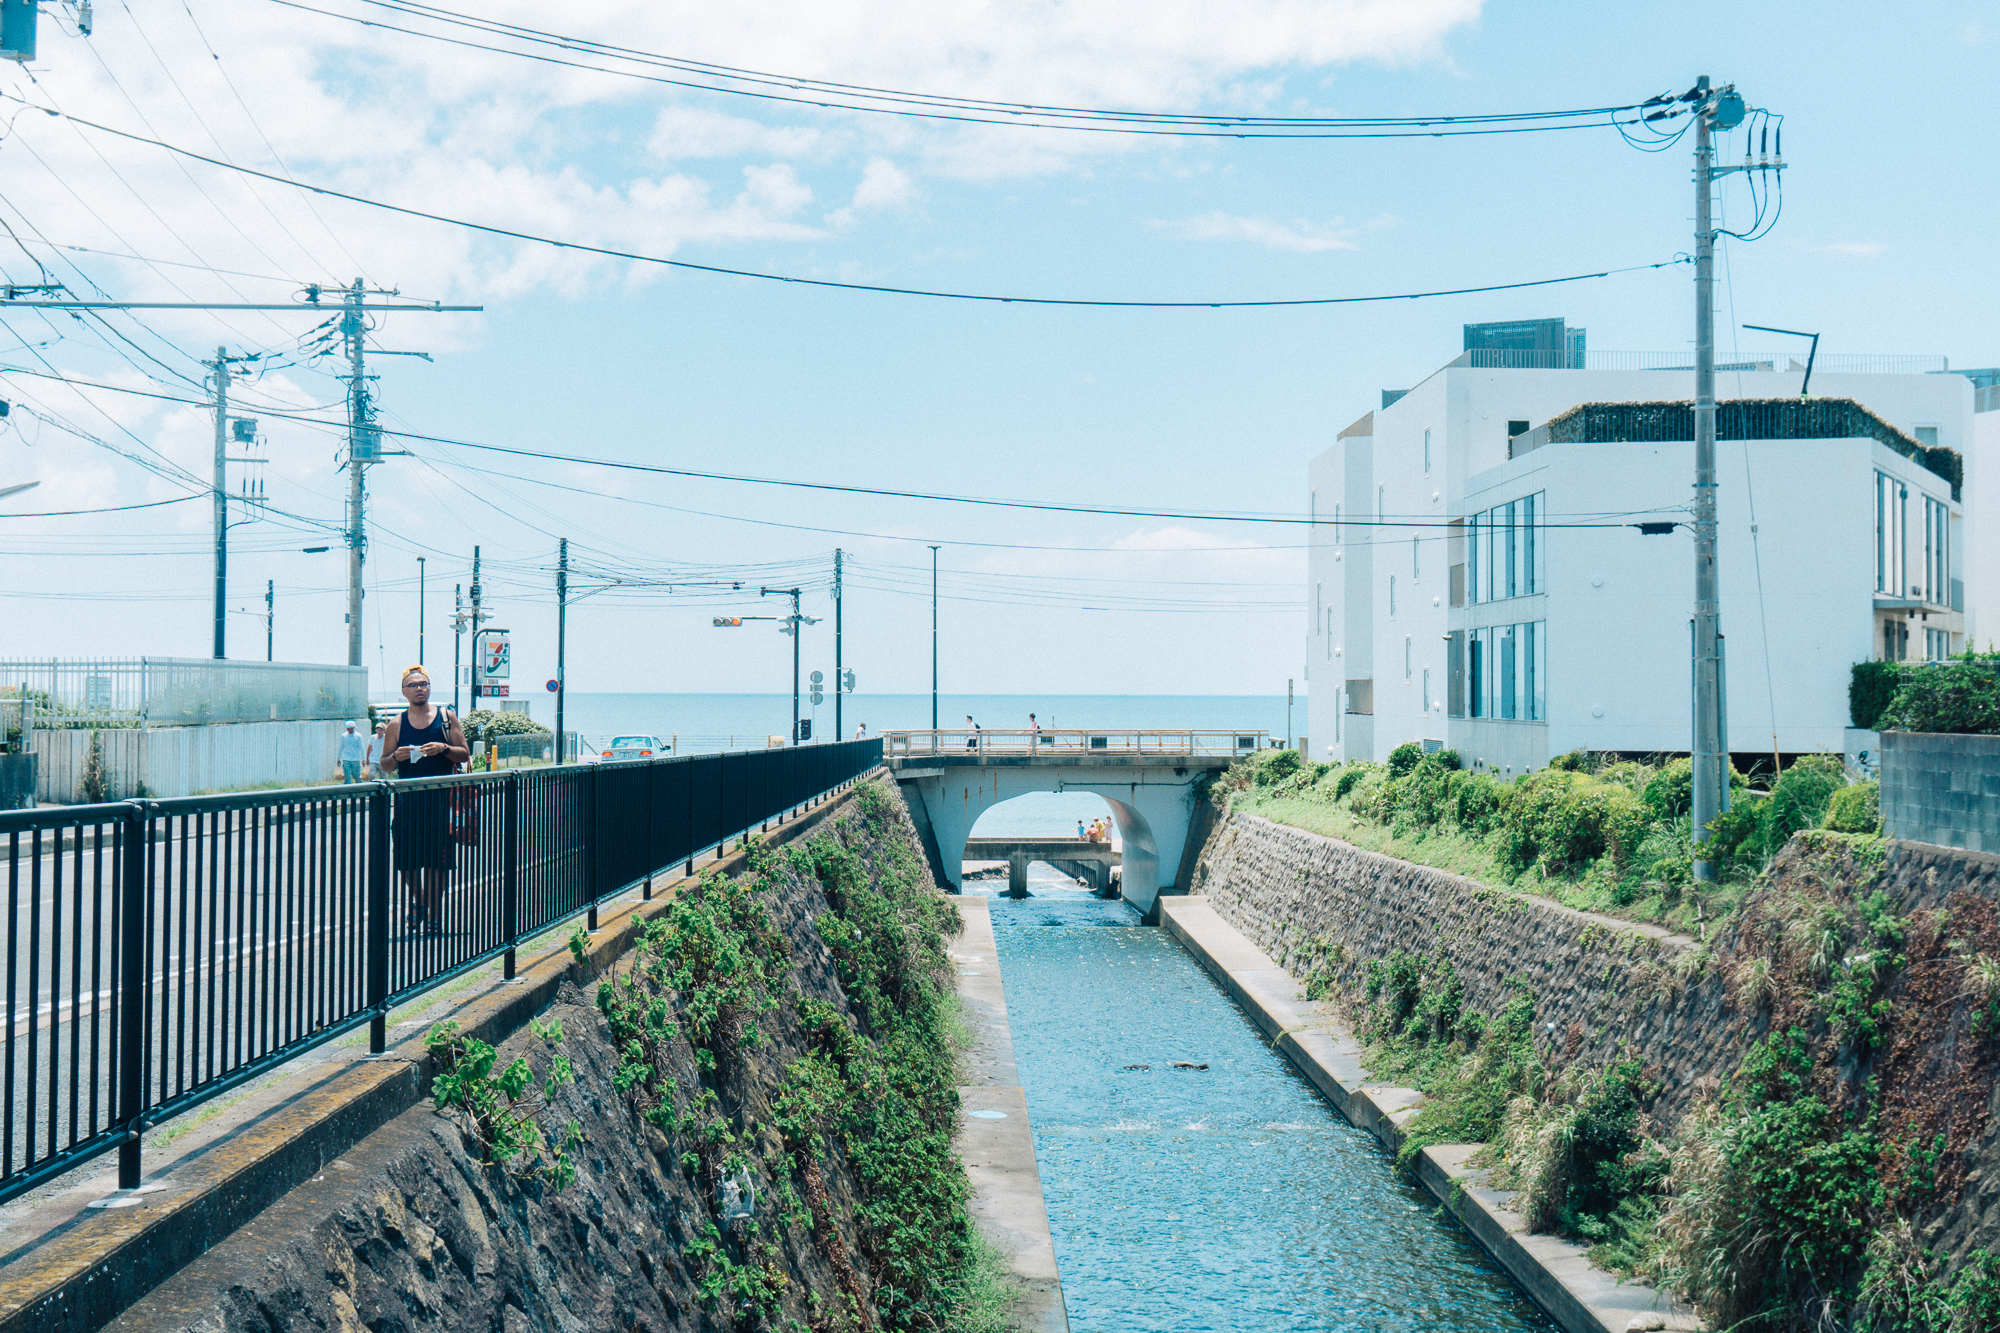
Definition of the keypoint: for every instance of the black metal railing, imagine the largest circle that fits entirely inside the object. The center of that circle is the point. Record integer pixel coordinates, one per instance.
(160, 953)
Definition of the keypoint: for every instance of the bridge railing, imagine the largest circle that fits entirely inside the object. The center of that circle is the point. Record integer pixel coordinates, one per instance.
(160, 953)
(1078, 741)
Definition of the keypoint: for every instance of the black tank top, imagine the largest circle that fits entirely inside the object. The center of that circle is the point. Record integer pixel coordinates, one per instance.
(427, 766)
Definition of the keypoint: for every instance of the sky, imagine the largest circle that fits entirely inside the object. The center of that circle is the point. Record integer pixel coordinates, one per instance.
(1884, 245)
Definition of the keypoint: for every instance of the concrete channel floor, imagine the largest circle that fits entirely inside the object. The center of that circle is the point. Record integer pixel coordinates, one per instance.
(994, 1138)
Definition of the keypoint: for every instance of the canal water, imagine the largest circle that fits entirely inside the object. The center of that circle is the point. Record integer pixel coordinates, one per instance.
(1227, 1198)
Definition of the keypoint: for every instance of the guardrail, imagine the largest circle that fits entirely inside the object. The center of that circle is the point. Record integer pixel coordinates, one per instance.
(1050, 741)
(160, 953)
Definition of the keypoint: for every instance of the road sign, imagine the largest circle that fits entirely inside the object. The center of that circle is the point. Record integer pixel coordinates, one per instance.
(816, 696)
(554, 685)
(815, 678)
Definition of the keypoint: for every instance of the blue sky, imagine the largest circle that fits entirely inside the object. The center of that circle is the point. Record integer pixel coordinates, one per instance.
(1884, 246)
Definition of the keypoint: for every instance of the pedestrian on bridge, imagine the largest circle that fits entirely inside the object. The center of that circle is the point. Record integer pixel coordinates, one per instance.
(350, 755)
(971, 733)
(425, 741)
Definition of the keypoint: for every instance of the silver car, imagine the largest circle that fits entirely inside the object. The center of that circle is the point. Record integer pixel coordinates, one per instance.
(634, 747)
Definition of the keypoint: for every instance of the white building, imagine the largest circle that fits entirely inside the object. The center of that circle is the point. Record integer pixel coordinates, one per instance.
(1479, 582)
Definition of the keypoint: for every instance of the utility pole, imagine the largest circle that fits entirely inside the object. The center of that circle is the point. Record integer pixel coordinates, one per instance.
(270, 620)
(934, 639)
(364, 447)
(838, 734)
(420, 610)
(793, 626)
(562, 636)
(1715, 109)
(457, 637)
(476, 618)
(220, 375)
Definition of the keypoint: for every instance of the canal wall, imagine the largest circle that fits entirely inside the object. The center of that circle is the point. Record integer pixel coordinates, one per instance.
(836, 939)
(1314, 908)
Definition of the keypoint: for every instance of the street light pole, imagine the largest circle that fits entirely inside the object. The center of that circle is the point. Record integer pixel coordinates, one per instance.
(270, 619)
(793, 627)
(562, 636)
(934, 641)
(420, 609)
(838, 734)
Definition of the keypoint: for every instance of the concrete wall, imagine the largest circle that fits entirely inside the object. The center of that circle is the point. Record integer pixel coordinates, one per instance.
(1942, 789)
(185, 761)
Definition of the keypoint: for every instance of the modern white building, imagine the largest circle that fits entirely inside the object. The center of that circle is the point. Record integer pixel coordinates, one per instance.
(1480, 580)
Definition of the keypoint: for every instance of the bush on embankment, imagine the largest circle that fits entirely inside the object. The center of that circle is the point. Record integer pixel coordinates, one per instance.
(1830, 1181)
(1960, 694)
(1592, 832)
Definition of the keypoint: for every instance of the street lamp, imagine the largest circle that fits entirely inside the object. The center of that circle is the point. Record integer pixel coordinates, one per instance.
(934, 639)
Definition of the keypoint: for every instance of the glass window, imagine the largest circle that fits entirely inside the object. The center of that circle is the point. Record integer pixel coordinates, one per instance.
(1530, 583)
(1392, 594)
(1472, 561)
(1408, 649)
(1319, 608)
(1427, 450)
(1416, 562)
(1881, 532)
(1476, 642)
(1513, 553)
(1509, 671)
(1336, 525)
(1531, 667)
(1427, 693)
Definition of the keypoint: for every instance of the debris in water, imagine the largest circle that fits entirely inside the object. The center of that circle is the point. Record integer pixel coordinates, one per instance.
(1185, 1064)
(1138, 1066)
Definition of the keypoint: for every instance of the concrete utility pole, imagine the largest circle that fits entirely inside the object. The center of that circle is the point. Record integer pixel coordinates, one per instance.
(934, 637)
(457, 637)
(1715, 109)
(220, 375)
(562, 636)
(477, 656)
(838, 734)
(364, 447)
(270, 620)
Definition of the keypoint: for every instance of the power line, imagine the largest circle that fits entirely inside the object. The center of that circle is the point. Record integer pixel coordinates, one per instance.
(637, 258)
(111, 509)
(834, 96)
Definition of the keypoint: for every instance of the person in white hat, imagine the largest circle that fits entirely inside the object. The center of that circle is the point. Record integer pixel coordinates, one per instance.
(350, 755)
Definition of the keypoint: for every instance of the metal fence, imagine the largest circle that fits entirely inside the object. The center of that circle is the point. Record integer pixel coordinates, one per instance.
(1828, 363)
(181, 691)
(1049, 741)
(160, 953)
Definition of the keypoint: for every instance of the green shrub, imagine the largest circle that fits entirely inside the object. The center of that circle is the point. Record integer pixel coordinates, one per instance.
(1562, 821)
(1349, 778)
(1448, 760)
(1870, 686)
(1671, 794)
(1573, 762)
(1278, 766)
(488, 724)
(1473, 800)
(1799, 799)
(1855, 809)
(1961, 696)
(1404, 758)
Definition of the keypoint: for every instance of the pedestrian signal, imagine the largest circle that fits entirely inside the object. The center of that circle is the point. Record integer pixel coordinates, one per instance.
(805, 729)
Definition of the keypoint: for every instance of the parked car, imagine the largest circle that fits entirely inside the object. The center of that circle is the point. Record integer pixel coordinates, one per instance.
(634, 747)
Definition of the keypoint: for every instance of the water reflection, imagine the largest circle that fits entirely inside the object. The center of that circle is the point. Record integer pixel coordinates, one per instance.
(1226, 1198)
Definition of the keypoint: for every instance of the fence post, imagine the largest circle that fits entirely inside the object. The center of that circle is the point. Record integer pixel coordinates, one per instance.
(510, 867)
(590, 844)
(134, 863)
(378, 918)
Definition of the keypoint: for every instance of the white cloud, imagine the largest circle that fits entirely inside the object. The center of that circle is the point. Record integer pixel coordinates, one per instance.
(1853, 249)
(883, 186)
(681, 132)
(1302, 237)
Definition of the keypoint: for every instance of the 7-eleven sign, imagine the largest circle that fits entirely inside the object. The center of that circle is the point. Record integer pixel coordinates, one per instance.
(493, 657)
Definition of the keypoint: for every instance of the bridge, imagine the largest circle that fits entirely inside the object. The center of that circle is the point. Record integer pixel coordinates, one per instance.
(1082, 857)
(951, 777)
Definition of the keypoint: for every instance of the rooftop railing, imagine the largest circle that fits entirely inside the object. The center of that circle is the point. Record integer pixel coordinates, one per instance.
(1828, 363)
(1072, 741)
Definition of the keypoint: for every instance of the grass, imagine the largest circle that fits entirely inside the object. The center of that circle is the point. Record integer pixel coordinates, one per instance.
(1445, 848)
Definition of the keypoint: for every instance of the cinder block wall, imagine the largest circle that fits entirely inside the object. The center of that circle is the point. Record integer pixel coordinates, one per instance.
(1942, 789)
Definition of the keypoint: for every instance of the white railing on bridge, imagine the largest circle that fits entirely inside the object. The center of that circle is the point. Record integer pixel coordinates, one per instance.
(1050, 741)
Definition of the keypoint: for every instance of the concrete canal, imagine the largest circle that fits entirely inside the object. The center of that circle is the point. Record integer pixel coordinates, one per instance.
(1225, 1197)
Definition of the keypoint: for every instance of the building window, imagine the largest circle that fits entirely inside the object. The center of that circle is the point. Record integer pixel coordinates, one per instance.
(1532, 665)
(1892, 506)
(1926, 436)
(1472, 561)
(1381, 502)
(1937, 555)
(1416, 566)
(1427, 451)
(1392, 595)
(1510, 675)
(1937, 644)
(1336, 525)
(1477, 674)
(1513, 553)
(1408, 648)
(1319, 608)
(1427, 692)
(1530, 583)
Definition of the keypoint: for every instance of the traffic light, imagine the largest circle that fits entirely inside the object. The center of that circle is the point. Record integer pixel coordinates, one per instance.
(729, 622)
(847, 680)
(805, 729)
